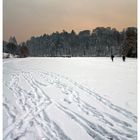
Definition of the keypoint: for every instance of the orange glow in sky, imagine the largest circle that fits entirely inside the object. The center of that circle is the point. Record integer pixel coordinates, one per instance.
(26, 18)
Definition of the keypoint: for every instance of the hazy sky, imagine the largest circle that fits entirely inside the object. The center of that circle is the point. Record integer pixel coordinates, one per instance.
(26, 18)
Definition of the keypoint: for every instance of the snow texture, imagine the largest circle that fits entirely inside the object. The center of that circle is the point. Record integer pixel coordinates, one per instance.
(8, 55)
(69, 99)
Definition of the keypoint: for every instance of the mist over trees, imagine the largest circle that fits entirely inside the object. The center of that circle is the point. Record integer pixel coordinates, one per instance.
(98, 42)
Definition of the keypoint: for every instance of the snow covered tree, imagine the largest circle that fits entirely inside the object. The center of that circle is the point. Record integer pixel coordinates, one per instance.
(100, 42)
(11, 48)
(13, 40)
(130, 42)
(24, 52)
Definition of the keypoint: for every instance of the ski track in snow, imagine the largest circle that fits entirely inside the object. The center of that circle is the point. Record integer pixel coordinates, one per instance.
(114, 124)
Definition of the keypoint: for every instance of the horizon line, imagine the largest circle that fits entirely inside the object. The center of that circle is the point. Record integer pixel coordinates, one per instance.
(77, 32)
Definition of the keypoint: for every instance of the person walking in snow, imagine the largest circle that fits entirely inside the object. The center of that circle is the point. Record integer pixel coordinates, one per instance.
(123, 58)
(112, 57)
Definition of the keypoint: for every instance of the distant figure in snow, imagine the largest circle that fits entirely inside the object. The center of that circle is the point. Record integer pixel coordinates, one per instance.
(123, 58)
(112, 57)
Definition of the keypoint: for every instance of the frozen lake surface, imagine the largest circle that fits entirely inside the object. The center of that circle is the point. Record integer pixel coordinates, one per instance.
(70, 99)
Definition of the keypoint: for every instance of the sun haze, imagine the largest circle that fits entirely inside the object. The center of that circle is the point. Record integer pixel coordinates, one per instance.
(26, 18)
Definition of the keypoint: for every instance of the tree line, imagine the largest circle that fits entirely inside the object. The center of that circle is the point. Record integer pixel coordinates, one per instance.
(98, 42)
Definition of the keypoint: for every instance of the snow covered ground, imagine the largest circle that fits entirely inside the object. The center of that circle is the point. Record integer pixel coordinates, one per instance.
(8, 55)
(70, 99)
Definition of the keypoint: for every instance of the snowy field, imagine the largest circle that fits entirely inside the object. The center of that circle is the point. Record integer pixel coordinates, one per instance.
(70, 99)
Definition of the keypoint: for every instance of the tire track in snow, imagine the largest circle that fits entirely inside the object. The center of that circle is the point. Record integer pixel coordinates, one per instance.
(98, 97)
(125, 126)
(35, 107)
(34, 103)
(67, 89)
(96, 130)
